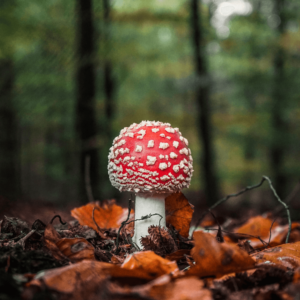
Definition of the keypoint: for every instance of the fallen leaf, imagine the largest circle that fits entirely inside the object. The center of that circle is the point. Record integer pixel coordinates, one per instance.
(148, 261)
(166, 288)
(296, 277)
(51, 237)
(179, 213)
(106, 215)
(286, 256)
(87, 277)
(117, 260)
(177, 255)
(216, 259)
(190, 288)
(75, 249)
(278, 236)
(258, 225)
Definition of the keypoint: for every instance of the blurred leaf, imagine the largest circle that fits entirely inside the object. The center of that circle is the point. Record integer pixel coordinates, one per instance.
(286, 256)
(74, 249)
(216, 259)
(179, 213)
(107, 214)
(257, 226)
(149, 262)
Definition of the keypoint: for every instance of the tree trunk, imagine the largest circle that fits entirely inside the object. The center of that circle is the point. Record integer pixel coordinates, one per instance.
(9, 158)
(86, 125)
(278, 123)
(202, 99)
(108, 78)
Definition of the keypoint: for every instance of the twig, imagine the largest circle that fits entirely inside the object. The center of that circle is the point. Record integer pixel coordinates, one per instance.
(288, 199)
(147, 217)
(22, 241)
(124, 223)
(285, 206)
(87, 178)
(141, 219)
(248, 188)
(243, 234)
(219, 236)
(59, 217)
(95, 207)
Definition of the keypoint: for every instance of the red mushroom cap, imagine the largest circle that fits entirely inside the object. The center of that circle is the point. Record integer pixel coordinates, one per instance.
(150, 157)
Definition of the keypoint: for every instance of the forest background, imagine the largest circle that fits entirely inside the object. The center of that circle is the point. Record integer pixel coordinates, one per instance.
(74, 73)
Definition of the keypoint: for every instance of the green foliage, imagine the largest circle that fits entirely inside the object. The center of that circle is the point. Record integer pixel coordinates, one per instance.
(152, 57)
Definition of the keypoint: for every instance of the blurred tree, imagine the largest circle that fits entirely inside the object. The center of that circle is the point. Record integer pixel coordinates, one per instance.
(109, 84)
(86, 124)
(9, 158)
(279, 125)
(203, 99)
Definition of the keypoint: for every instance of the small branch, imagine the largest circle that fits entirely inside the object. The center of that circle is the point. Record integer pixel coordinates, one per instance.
(95, 207)
(243, 234)
(248, 188)
(88, 187)
(22, 241)
(124, 223)
(219, 236)
(147, 217)
(285, 206)
(59, 217)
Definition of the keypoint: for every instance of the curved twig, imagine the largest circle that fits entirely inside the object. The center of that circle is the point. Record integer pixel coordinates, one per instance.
(95, 207)
(59, 217)
(285, 206)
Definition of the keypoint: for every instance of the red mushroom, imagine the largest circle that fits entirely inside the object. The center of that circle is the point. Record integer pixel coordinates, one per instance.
(153, 160)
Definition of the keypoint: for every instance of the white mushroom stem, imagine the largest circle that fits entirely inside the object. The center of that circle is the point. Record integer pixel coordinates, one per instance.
(146, 204)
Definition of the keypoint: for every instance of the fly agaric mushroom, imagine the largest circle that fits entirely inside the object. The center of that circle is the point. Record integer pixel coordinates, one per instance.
(153, 160)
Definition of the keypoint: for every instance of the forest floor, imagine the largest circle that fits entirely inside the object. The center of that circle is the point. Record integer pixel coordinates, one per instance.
(87, 253)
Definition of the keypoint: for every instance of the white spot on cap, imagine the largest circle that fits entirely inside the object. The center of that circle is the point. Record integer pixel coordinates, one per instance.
(169, 164)
(150, 144)
(150, 160)
(136, 190)
(170, 129)
(166, 157)
(180, 177)
(163, 145)
(186, 170)
(155, 130)
(141, 164)
(138, 148)
(130, 134)
(163, 166)
(176, 168)
(126, 158)
(181, 164)
(173, 155)
(142, 132)
(161, 156)
(132, 157)
(184, 151)
(175, 144)
(186, 141)
(162, 135)
(168, 137)
(164, 178)
(122, 142)
(130, 164)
